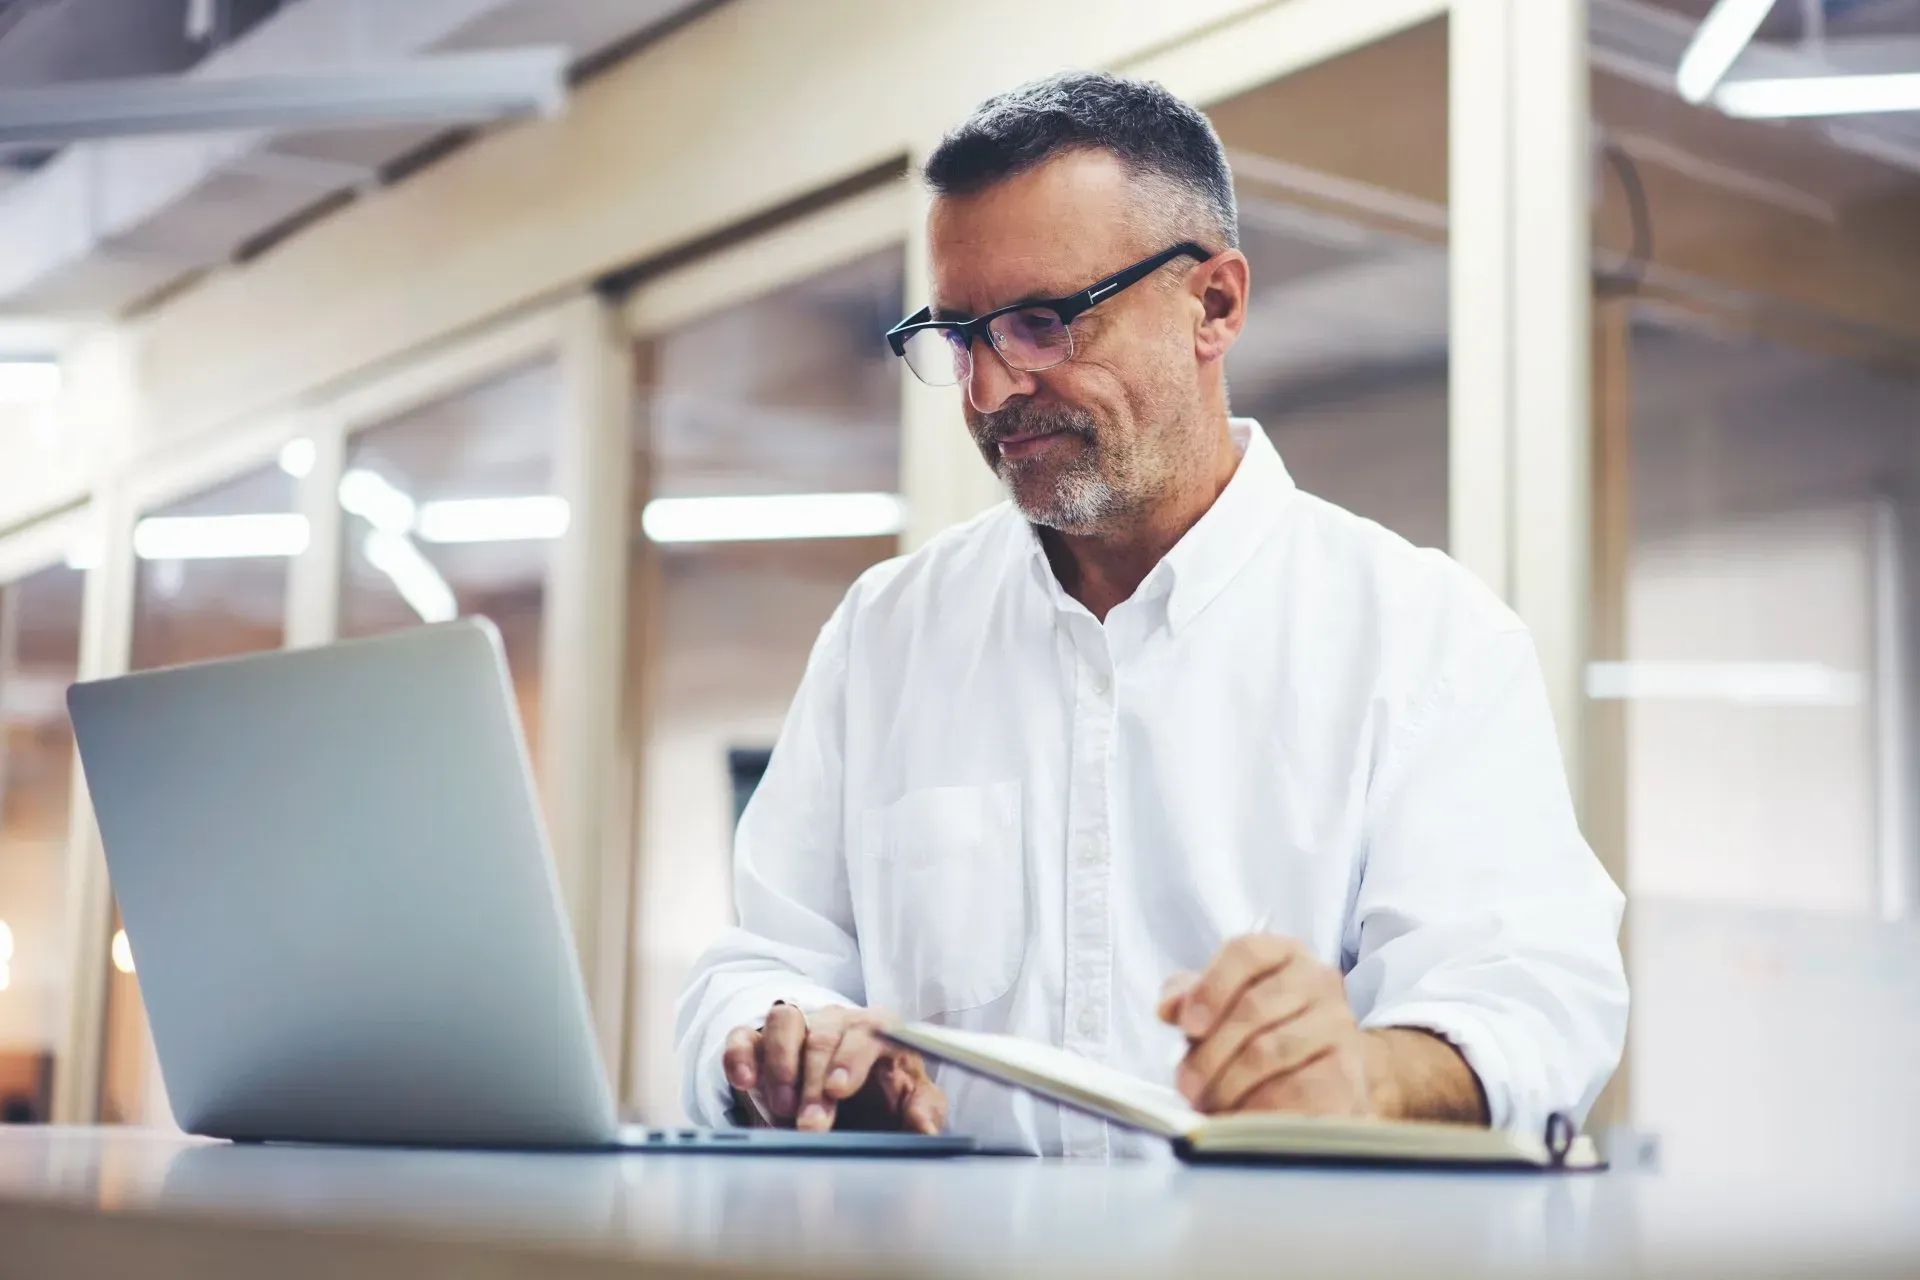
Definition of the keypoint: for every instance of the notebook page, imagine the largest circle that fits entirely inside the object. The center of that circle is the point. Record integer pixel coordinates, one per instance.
(1056, 1073)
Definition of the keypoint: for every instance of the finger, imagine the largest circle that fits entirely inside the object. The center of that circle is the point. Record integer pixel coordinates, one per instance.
(1270, 1056)
(816, 1109)
(1241, 963)
(1262, 1007)
(852, 1062)
(896, 1075)
(1173, 995)
(780, 1044)
(926, 1110)
(741, 1058)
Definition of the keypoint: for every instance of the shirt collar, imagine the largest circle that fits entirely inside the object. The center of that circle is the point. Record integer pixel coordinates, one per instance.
(1220, 543)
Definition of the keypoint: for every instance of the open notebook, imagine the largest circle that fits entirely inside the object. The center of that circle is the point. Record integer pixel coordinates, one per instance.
(1113, 1095)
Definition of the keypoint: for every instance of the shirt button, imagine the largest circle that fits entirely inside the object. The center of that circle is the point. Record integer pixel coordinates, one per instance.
(1089, 1023)
(1102, 686)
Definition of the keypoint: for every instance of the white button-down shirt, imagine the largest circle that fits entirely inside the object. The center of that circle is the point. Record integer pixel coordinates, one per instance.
(991, 811)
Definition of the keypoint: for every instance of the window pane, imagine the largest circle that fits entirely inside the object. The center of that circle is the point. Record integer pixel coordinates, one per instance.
(211, 582)
(794, 392)
(450, 512)
(39, 658)
(1344, 356)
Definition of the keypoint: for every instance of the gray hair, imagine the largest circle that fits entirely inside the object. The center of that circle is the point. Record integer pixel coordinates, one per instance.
(1155, 135)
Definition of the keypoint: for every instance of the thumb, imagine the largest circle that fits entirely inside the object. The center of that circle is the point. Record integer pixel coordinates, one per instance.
(1173, 995)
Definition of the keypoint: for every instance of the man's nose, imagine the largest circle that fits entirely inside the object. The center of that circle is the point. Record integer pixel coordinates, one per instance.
(991, 382)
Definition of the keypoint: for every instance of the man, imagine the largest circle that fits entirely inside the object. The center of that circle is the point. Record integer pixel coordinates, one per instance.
(1165, 761)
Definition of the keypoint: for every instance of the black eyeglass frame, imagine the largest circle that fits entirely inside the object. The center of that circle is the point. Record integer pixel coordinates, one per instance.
(1069, 308)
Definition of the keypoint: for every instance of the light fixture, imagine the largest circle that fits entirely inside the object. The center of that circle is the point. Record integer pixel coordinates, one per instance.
(29, 381)
(450, 88)
(297, 457)
(122, 951)
(6, 956)
(774, 517)
(493, 519)
(369, 495)
(220, 537)
(1819, 96)
(412, 575)
(1754, 684)
(1723, 36)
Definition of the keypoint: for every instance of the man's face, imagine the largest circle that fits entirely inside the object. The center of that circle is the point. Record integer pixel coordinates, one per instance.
(1090, 443)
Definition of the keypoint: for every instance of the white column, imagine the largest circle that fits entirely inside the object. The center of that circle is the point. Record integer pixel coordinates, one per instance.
(1520, 488)
(583, 658)
(1552, 373)
(313, 579)
(1481, 338)
(942, 475)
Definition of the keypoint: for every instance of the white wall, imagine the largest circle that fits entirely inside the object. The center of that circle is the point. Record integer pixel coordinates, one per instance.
(1769, 801)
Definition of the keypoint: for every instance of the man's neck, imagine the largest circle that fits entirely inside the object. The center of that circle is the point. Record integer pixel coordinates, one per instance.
(1102, 568)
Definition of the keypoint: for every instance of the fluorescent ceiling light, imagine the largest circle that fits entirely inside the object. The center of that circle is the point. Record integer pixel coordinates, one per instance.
(442, 89)
(6, 941)
(493, 519)
(1723, 36)
(773, 517)
(412, 575)
(1756, 684)
(1819, 96)
(367, 494)
(29, 381)
(297, 457)
(122, 951)
(220, 537)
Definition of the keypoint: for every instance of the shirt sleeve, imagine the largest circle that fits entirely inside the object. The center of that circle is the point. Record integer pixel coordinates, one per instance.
(794, 941)
(1481, 913)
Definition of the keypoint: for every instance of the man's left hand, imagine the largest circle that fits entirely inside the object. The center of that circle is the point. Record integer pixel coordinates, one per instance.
(1269, 1029)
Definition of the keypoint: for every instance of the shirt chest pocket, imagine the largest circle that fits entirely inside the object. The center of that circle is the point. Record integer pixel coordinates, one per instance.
(940, 898)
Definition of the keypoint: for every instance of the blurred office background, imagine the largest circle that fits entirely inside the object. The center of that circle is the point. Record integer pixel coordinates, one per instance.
(612, 376)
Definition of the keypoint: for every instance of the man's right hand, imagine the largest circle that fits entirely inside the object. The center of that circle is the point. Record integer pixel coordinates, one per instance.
(832, 1069)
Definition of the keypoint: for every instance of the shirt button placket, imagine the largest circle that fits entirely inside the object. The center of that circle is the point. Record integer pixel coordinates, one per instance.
(1089, 976)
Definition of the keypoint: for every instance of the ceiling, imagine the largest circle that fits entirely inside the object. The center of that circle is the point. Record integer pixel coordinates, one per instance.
(160, 211)
(1836, 19)
(1345, 355)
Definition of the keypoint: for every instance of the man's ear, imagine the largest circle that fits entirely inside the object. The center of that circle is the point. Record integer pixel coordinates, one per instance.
(1221, 284)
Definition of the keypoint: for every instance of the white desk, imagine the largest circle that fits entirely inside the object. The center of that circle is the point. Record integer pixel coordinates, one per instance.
(78, 1200)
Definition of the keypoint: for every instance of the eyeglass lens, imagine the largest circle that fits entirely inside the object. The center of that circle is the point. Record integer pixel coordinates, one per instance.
(1029, 340)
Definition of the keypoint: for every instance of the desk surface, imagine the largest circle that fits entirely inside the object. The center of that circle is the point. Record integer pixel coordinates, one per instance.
(976, 1216)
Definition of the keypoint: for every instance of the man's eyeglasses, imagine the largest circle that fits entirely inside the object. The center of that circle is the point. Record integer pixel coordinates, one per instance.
(1029, 336)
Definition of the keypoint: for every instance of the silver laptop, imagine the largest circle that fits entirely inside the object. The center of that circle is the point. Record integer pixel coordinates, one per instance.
(331, 867)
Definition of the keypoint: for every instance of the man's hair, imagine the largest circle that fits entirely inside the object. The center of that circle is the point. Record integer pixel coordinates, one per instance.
(1160, 139)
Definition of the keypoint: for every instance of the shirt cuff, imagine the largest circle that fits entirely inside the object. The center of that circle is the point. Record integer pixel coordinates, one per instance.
(1462, 1027)
(709, 1095)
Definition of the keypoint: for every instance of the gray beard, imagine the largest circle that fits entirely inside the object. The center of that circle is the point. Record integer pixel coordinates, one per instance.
(1081, 497)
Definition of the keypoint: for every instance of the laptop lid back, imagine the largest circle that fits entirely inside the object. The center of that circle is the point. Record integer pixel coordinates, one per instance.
(333, 876)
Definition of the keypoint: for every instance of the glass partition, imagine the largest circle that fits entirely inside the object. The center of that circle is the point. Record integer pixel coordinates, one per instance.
(39, 657)
(1774, 496)
(1344, 355)
(449, 511)
(792, 393)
